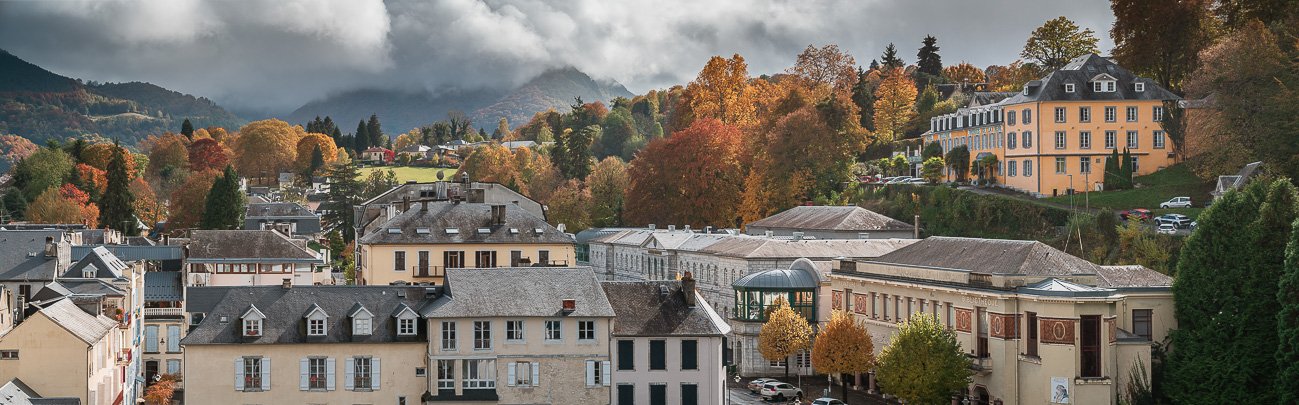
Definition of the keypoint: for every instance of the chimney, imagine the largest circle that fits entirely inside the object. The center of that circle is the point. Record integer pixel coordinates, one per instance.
(51, 248)
(569, 305)
(687, 227)
(917, 227)
(431, 292)
(405, 203)
(423, 206)
(651, 227)
(287, 283)
(672, 228)
(688, 288)
(797, 235)
(498, 214)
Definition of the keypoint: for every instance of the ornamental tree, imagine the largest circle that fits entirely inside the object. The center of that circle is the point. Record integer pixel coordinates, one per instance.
(923, 363)
(785, 333)
(843, 346)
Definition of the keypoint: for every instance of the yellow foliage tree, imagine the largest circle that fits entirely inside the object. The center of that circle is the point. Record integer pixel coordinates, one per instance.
(307, 145)
(98, 156)
(722, 91)
(266, 148)
(1011, 77)
(964, 73)
(895, 104)
(52, 208)
(785, 333)
(843, 346)
(406, 139)
(826, 66)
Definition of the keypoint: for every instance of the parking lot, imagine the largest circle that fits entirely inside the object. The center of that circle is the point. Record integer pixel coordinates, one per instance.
(739, 394)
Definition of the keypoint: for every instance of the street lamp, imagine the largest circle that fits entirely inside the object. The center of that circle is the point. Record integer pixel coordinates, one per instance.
(1071, 192)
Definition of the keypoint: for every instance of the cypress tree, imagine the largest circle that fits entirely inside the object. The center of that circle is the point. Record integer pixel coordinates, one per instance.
(187, 129)
(1287, 352)
(1125, 169)
(863, 95)
(317, 161)
(375, 131)
(929, 61)
(890, 59)
(1112, 171)
(362, 137)
(116, 211)
(224, 206)
(337, 136)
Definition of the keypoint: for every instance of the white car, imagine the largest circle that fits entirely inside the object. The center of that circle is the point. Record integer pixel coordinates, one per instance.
(1167, 229)
(827, 401)
(1176, 202)
(917, 181)
(901, 180)
(779, 391)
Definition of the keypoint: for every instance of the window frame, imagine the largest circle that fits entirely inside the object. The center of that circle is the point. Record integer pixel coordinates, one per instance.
(658, 355)
(1134, 139)
(317, 373)
(1111, 139)
(1111, 114)
(1159, 141)
(1132, 114)
(1146, 317)
(252, 327)
(446, 378)
(1060, 115)
(1061, 139)
(253, 378)
(359, 364)
(316, 327)
(483, 372)
(1084, 139)
(1061, 165)
(586, 330)
(557, 331)
(448, 334)
(1084, 114)
(514, 331)
(482, 335)
(1084, 164)
(407, 326)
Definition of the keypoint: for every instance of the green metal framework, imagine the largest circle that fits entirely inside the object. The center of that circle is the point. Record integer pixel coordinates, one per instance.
(752, 304)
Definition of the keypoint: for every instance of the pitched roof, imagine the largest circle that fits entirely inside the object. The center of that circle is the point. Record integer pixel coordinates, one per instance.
(990, 256)
(1080, 72)
(278, 210)
(751, 247)
(102, 262)
(642, 310)
(15, 392)
(519, 292)
(1130, 276)
(246, 244)
(451, 222)
(89, 328)
(162, 286)
(284, 309)
(831, 218)
(24, 257)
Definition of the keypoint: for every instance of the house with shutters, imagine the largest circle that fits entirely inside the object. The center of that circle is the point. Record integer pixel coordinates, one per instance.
(667, 344)
(61, 350)
(520, 335)
(306, 344)
(248, 258)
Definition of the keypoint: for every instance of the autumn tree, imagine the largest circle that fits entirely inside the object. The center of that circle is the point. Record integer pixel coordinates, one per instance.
(1161, 38)
(90, 179)
(306, 151)
(964, 73)
(923, 363)
(784, 334)
(843, 346)
(894, 105)
(117, 211)
(207, 154)
(169, 157)
(502, 131)
(146, 204)
(607, 184)
(266, 148)
(692, 177)
(410, 138)
(1012, 77)
(1057, 42)
(14, 148)
(46, 168)
(50, 207)
(162, 391)
(826, 66)
(185, 207)
(890, 59)
(722, 91)
(570, 206)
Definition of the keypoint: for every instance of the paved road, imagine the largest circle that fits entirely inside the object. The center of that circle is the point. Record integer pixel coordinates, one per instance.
(741, 396)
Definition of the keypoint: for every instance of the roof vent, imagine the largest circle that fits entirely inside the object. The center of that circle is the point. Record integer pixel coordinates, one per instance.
(484, 230)
(514, 231)
(651, 227)
(401, 293)
(452, 231)
(672, 228)
(569, 305)
(422, 231)
(538, 230)
(663, 291)
(394, 231)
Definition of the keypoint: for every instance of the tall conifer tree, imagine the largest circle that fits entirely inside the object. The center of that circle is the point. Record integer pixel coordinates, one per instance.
(116, 209)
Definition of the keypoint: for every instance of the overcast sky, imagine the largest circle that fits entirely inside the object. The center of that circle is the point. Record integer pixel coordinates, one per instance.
(279, 54)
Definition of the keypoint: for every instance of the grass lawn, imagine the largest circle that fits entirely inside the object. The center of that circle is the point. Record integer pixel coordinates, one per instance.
(1152, 189)
(404, 173)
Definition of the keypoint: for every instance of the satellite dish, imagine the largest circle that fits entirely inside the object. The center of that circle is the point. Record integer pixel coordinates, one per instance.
(440, 175)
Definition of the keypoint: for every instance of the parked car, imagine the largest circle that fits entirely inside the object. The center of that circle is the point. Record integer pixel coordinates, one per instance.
(916, 181)
(1178, 220)
(901, 180)
(827, 401)
(1140, 214)
(779, 391)
(1176, 202)
(756, 385)
(1167, 229)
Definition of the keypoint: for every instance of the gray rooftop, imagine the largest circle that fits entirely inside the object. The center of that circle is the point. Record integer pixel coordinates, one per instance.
(101, 262)
(1131, 276)
(802, 274)
(989, 256)
(163, 286)
(89, 328)
(1080, 72)
(831, 218)
(278, 210)
(24, 255)
(246, 244)
(452, 222)
(519, 292)
(642, 309)
(284, 309)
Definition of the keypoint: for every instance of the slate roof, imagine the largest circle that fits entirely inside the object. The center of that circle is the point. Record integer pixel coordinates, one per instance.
(284, 310)
(278, 210)
(1080, 71)
(15, 392)
(246, 244)
(91, 286)
(24, 255)
(831, 218)
(519, 292)
(103, 262)
(641, 310)
(752, 247)
(802, 274)
(89, 328)
(990, 256)
(1058, 287)
(428, 226)
(983, 98)
(163, 286)
(1131, 276)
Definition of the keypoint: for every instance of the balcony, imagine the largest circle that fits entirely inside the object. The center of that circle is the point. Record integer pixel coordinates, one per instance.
(428, 271)
(162, 312)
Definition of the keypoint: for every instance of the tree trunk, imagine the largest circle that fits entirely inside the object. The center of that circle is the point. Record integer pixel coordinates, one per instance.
(786, 366)
(844, 382)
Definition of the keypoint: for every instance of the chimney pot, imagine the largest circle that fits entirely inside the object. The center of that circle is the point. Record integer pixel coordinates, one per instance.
(651, 227)
(287, 283)
(798, 235)
(569, 305)
(688, 288)
(672, 228)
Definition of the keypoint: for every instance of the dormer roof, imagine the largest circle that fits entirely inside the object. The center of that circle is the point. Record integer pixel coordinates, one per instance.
(254, 312)
(315, 310)
(359, 309)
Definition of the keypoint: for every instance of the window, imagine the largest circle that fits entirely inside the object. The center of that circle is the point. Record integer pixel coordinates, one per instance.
(981, 324)
(399, 260)
(8, 355)
(1085, 164)
(446, 374)
(874, 307)
(173, 338)
(1090, 350)
(406, 326)
(1135, 167)
(1141, 323)
(1059, 114)
(448, 335)
(151, 338)
(658, 394)
(1111, 114)
(1010, 117)
(597, 373)
(626, 394)
(1028, 116)
(1159, 139)
(689, 394)
(1010, 140)
(1028, 168)
(1012, 169)
(1084, 114)
(1158, 114)
(1060, 165)
(1060, 141)
(1111, 139)
(454, 259)
(1139, 87)
(251, 372)
(1085, 139)
(690, 354)
(362, 373)
(361, 324)
(252, 327)
(626, 355)
(482, 335)
(1098, 86)
(479, 374)
(521, 374)
(1132, 114)
(316, 327)
(514, 331)
(1132, 139)
(422, 267)
(485, 259)
(317, 373)
(585, 330)
(554, 330)
(658, 355)
(173, 366)
(897, 309)
(1030, 326)
(1028, 139)
(1068, 87)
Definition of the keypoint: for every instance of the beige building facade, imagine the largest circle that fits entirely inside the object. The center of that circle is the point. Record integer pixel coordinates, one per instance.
(62, 351)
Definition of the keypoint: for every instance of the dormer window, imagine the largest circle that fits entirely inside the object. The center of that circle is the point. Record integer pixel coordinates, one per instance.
(1139, 87)
(406, 321)
(316, 318)
(88, 273)
(252, 321)
(1068, 88)
(362, 321)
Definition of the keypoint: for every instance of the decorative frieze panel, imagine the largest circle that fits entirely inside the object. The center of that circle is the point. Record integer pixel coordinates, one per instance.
(861, 304)
(964, 320)
(1003, 326)
(1057, 331)
(836, 300)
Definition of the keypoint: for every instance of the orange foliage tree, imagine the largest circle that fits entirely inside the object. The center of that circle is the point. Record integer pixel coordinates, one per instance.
(307, 145)
(14, 148)
(187, 202)
(98, 155)
(50, 207)
(692, 177)
(266, 148)
(168, 155)
(91, 178)
(826, 66)
(146, 202)
(895, 104)
(964, 73)
(1011, 77)
(207, 154)
(722, 92)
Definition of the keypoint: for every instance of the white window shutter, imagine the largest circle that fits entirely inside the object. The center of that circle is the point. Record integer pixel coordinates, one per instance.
(302, 374)
(590, 373)
(329, 375)
(266, 373)
(349, 373)
(375, 372)
(604, 373)
(511, 368)
(536, 374)
(239, 374)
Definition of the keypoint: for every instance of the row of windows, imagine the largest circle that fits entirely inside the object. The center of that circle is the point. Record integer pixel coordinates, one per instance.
(658, 355)
(970, 119)
(902, 307)
(481, 374)
(658, 394)
(152, 339)
(1133, 141)
(1131, 114)
(362, 324)
(514, 333)
(248, 268)
(360, 373)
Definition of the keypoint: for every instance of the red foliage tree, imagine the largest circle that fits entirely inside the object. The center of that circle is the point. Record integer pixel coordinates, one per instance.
(693, 177)
(207, 154)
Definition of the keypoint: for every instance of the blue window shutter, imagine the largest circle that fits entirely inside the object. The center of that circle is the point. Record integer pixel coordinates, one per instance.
(329, 375)
(303, 384)
(239, 374)
(266, 373)
(349, 373)
(173, 338)
(375, 372)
